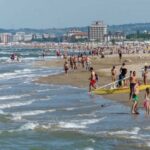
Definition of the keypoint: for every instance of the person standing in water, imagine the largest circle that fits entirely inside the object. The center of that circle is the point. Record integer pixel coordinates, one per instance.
(147, 101)
(135, 99)
(92, 79)
(66, 67)
(133, 81)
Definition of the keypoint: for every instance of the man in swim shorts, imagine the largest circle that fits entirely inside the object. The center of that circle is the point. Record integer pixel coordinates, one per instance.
(92, 79)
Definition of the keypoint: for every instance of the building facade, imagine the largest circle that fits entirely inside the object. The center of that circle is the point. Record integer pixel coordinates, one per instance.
(19, 37)
(117, 36)
(75, 36)
(97, 31)
(6, 37)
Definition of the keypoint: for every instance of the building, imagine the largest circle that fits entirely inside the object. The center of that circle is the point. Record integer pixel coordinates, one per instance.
(28, 37)
(97, 31)
(52, 36)
(117, 36)
(6, 37)
(39, 36)
(75, 36)
(19, 37)
(46, 36)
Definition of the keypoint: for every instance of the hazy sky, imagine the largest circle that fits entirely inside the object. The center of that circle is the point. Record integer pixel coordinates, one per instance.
(66, 13)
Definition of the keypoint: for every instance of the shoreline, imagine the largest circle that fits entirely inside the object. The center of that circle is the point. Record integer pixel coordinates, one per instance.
(79, 78)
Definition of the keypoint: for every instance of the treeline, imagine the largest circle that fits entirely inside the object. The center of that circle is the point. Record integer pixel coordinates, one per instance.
(138, 36)
(59, 39)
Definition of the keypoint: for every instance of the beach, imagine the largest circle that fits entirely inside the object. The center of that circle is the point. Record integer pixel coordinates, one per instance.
(43, 108)
(102, 66)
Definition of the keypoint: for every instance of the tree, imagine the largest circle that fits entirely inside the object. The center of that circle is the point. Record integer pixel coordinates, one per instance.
(113, 41)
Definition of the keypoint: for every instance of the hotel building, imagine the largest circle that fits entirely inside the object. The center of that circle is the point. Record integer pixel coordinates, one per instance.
(97, 31)
(6, 37)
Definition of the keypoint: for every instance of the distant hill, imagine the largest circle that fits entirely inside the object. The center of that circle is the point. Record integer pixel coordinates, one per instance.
(57, 31)
(130, 28)
(126, 28)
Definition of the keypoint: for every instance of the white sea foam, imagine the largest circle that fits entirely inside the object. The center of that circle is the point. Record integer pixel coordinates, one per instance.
(69, 109)
(23, 71)
(92, 140)
(89, 148)
(25, 127)
(1, 112)
(74, 108)
(17, 74)
(4, 58)
(71, 125)
(28, 126)
(4, 52)
(15, 104)
(49, 126)
(79, 124)
(148, 144)
(31, 126)
(91, 121)
(19, 115)
(7, 75)
(44, 90)
(12, 97)
(92, 114)
(135, 131)
(137, 137)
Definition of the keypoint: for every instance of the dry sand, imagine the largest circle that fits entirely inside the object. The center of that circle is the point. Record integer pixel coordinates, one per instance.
(103, 66)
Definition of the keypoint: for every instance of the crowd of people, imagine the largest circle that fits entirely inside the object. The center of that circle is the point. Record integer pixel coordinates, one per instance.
(124, 82)
(121, 80)
(133, 83)
(75, 62)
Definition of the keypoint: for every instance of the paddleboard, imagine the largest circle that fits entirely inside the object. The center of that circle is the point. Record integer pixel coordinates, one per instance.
(103, 91)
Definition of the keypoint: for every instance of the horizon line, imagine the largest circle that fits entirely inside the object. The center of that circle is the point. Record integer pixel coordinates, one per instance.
(46, 28)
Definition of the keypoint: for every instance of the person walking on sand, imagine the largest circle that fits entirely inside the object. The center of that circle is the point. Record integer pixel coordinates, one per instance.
(92, 79)
(123, 72)
(71, 62)
(147, 101)
(135, 99)
(87, 63)
(145, 75)
(75, 59)
(120, 55)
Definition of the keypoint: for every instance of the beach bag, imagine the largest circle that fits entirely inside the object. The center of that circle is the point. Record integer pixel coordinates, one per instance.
(96, 76)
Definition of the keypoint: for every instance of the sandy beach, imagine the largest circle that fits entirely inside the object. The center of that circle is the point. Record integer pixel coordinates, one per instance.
(79, 78)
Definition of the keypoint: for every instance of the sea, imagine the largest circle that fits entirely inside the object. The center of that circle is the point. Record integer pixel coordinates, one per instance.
(37, 116)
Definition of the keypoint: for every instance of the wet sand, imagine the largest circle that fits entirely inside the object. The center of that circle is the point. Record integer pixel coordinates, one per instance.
(80, 77)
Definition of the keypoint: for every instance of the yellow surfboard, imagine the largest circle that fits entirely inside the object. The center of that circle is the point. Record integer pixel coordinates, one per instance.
(102, 91)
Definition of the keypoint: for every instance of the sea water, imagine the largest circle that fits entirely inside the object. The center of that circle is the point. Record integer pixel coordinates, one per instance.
(57, 117)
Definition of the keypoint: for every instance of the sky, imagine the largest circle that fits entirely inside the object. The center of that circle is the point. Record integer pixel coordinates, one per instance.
(70, 13)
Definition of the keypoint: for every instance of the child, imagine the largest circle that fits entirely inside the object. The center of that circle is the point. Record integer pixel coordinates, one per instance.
(147, 101)
(135, 99)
